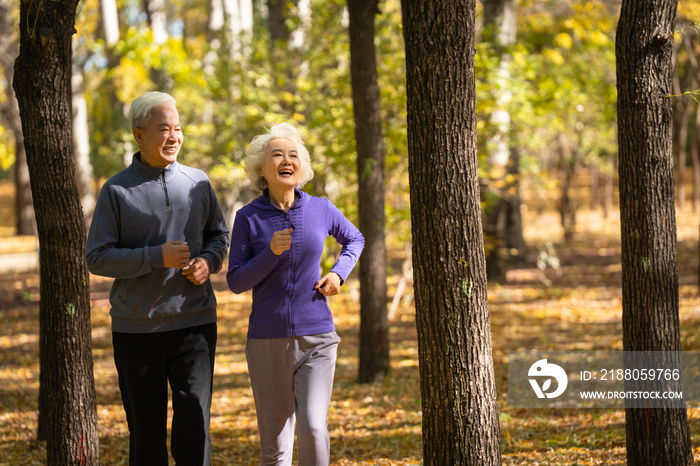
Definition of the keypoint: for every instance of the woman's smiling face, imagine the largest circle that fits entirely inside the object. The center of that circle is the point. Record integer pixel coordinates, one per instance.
(281, 166)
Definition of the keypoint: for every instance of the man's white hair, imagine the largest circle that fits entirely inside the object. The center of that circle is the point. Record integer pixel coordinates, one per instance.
(255, 155)
(141, 107)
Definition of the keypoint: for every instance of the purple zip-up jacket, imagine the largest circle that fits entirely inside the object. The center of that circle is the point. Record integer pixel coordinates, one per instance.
(285, 303)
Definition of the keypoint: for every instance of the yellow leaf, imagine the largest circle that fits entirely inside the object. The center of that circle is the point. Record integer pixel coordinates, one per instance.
(563, 40)
(554, 56)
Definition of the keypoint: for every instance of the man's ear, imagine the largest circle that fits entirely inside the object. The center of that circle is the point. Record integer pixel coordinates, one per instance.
(138, 135)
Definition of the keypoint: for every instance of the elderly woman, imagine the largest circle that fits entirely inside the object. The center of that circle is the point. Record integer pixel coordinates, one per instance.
(276, 248)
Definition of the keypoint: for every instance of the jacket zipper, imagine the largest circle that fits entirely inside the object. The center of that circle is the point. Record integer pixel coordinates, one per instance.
(291, 281)
(165, 189)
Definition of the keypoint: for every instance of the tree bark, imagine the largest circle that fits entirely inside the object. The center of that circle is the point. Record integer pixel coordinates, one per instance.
(42, 84)
(650, 319)
(24, 209)
(374, 323)
(460, 415)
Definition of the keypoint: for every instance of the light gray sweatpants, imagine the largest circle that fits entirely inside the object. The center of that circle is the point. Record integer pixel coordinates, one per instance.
(293, 377)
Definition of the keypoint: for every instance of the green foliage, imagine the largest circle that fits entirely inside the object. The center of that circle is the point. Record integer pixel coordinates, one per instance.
(561, 81)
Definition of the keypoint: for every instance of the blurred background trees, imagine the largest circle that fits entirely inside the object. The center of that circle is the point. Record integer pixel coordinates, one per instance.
(236, 66)
(546, 104)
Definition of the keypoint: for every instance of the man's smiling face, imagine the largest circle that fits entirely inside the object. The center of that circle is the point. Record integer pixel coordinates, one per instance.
(160, 140)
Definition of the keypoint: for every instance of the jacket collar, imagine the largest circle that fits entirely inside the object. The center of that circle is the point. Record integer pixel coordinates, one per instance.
(153, 172)
(264, 202)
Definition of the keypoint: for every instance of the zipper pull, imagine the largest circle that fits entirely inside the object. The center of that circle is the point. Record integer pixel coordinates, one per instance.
(165, 189)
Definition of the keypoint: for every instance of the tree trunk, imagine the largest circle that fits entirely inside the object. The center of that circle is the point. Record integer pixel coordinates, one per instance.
(24, 209)
(683, 149)
(609, 188)
(42, 84)
(695, 154)
(240, 23)
(157, 19)
(494, 228)
(24, 206)
(568, 162)
(695, 138)
(503, 222)
(500, 17)
(695, 148)
(158, 22)
(109, 22)
(514, 239)
(693, 79)
(278, 11)
(298, 37)
(81, 145)
(647, 213)
(285, 65)
(114, 119)
(230, 20)
(460, 414)
(595, 183)
(374, 324)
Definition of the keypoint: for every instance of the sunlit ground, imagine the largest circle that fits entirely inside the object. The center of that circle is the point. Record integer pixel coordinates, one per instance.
(381, 424)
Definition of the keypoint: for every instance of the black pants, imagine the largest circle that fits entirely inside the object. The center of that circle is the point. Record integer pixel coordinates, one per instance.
(145, 363)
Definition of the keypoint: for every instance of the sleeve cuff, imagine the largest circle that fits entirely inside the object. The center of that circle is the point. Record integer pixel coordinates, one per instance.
(155, 254)
(342, 278)
(214, 267)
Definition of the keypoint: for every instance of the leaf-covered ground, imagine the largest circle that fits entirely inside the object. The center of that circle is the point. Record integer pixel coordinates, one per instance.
(381, 424)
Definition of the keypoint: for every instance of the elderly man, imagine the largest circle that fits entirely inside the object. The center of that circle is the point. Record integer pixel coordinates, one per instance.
(159, 231)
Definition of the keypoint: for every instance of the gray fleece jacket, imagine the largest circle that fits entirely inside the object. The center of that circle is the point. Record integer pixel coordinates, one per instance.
(138, 210)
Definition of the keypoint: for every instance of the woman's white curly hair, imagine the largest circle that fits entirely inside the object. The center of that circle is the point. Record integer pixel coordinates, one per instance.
(255, 155)
(141, 107)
